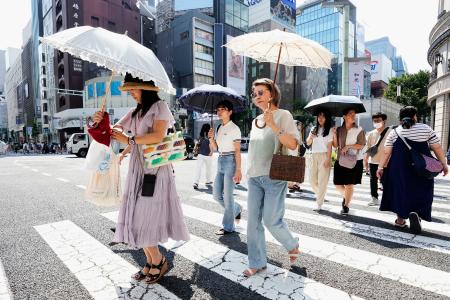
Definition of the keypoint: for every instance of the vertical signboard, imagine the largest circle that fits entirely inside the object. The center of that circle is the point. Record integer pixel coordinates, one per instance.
(356, 78)
(284, 11)
(236, 71)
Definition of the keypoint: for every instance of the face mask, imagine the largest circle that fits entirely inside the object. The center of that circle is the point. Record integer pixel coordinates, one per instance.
(378, 125)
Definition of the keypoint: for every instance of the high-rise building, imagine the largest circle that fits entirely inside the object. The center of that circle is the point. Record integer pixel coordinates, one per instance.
(333, 25)
(439, 86)
(70, 73)
(266, 15)
(13, 90)
(384, 46)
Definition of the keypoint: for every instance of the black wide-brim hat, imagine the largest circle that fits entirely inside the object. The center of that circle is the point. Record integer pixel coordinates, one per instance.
(135, 83)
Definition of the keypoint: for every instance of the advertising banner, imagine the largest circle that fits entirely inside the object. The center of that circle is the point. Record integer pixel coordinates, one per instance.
(356, 78)
(283, 11)
(236, 71)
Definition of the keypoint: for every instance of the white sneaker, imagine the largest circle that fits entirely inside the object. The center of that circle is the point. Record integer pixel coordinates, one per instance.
(318, 208)
(374, 202)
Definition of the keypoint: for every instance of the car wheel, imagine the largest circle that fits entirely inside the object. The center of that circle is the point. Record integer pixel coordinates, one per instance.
(190, 155)
(82, 153)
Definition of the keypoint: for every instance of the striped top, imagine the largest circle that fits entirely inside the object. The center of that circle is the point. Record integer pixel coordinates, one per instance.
(417, 133)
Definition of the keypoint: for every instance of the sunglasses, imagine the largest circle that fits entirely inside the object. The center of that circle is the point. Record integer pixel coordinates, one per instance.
(258, 93)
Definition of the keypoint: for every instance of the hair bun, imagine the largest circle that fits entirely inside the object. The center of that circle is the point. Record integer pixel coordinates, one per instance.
(407, 123)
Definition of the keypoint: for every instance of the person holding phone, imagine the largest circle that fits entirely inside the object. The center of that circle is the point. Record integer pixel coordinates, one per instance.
(228, 143)
(320, 140)
(150, 212)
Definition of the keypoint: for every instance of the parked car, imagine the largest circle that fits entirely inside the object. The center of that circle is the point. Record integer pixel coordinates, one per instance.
(244, 144)
(190, 144)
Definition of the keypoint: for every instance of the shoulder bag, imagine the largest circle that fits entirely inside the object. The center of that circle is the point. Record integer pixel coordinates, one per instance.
(347, 160)
(372, 151)
(424, 165)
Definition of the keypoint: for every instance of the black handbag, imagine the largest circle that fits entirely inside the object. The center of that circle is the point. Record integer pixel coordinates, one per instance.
(372, 151)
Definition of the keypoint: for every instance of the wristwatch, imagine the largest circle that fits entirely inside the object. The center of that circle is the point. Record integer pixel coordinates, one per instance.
(131, 140)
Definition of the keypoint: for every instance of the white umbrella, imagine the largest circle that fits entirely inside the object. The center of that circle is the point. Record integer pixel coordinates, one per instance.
(281, 47)
(114, 51)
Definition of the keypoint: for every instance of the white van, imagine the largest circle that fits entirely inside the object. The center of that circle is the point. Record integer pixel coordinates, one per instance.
(78, 144)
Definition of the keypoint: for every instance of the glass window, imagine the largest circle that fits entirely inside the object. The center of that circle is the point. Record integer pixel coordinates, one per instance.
(237, 9)
(237, 22)
(244, 25)
(229, 18)
(100, 88)
(115, 88)
(91, 90)
(229, 6)
(244, 13)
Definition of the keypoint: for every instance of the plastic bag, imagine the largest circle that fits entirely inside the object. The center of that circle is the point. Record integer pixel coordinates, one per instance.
(98, 157)
(104, 187)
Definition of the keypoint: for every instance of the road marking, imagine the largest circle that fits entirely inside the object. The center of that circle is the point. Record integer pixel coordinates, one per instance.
(81, 186)
(338, 198)
(62, 179)
(393, 236)
(35, 170)
(405, 272)
(5, 291)
(386, 217)
(275, 283)
(46, 174)
(104, 274)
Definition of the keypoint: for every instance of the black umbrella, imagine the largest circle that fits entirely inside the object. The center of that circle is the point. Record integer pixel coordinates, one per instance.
(204, 99)
(336, 104)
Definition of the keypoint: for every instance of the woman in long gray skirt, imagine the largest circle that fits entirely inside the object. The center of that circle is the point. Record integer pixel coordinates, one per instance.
(146, 221)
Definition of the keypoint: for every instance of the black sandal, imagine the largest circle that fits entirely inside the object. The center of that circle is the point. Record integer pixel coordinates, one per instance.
(141, 275)
(162, 267)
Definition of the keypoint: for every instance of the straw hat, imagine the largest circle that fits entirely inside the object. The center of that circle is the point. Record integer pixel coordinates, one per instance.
(134, 83)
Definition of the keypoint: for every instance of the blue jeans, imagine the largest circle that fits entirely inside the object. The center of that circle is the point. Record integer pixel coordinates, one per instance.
(223, 190)
(266, 203)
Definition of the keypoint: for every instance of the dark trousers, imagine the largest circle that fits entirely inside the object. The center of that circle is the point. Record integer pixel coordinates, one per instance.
(373, 180)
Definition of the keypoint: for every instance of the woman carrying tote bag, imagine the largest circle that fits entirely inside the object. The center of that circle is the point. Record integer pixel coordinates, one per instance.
(266, 196)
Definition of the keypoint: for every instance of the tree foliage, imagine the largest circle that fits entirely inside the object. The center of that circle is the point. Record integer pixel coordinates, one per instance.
(300, 114)
(414, 92)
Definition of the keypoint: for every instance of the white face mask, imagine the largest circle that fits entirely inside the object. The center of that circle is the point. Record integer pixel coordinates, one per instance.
(378, 125)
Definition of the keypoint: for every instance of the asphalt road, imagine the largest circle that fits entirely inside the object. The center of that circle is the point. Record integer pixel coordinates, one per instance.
(55, 245)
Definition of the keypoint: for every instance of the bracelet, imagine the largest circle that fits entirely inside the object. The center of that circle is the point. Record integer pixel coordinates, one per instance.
(380, 168)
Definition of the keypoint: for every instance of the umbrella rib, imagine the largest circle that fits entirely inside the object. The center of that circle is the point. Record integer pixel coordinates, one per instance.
(303, 51)
(322, 58)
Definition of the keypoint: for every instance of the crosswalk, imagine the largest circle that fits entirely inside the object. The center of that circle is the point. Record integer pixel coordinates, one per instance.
(359, 244)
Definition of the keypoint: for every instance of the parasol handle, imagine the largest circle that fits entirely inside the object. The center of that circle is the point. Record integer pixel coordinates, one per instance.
(278, 61)
(103, 106)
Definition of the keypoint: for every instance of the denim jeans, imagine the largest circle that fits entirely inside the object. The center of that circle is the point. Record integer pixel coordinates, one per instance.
(266, 203)
(223, 190)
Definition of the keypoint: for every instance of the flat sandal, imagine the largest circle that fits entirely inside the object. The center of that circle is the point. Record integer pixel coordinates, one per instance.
(162, 267)
(141, 275)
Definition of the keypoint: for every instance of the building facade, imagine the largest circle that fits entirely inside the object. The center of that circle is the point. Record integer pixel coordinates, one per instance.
(266, 15)
(333, 26)
(70, 73)
(384, 46)
(439, 87)
(13, 91)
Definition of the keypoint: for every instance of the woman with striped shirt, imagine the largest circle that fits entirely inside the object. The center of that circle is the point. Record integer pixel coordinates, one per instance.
(404, 192)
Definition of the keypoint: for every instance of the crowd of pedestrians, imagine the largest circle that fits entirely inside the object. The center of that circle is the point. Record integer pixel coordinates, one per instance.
(150, 212)
(35, 148)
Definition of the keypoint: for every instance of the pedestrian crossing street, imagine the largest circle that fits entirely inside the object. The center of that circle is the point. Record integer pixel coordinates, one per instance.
(364, 243)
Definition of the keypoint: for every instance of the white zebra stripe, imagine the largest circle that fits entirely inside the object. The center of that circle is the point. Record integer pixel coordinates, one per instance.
(5, 292)
(405, 272)
(393, 236)
(103, 274)
(275, 283)
(387, 217)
